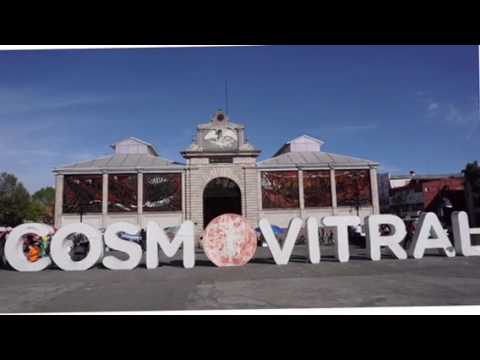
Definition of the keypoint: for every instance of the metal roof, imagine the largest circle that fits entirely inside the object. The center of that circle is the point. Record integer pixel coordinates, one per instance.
(426, 177)
(125, 162)
(308, 137)
(311, 159)
(140, 141)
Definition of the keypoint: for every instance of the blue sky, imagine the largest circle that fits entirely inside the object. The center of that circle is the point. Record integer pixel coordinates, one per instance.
(407, 107)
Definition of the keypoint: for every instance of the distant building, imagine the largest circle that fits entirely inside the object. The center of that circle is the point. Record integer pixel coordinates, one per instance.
(221, 175)
(410, 195)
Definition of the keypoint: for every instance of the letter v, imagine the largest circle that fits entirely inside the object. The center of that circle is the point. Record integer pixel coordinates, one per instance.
(281, 256)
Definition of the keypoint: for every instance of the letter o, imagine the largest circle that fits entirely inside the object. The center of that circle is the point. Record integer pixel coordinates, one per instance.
(14, 248)
(59, 249)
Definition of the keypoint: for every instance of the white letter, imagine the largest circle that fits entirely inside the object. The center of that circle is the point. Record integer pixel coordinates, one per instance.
(133, 250)
(341, 223)
(430, 226)
(313, 240)
(281, 256)
(462, 235)
(14, 248)
(156, 236)
(375, 240)
(60, 248)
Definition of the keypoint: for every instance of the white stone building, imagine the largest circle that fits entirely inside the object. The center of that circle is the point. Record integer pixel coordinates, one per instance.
(221, 175)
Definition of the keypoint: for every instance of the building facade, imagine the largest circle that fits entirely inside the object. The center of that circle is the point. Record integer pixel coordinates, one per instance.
(221, 175)
(409, 196)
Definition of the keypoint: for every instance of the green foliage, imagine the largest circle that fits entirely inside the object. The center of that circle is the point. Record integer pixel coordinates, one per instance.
(18, 207)
(36, 211)
(43, 203)
(14, 201)
(46, 196)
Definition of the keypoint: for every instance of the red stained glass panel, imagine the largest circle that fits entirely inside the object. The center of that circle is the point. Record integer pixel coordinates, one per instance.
(353, 188)
(316, 189)
(122, 193)
(82, 194)
(162, 192)
(280, 190)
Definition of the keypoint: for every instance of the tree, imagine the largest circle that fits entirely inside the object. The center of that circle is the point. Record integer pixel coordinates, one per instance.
(472, 190)
(43, 205)
(472, 176)
(18, 207)
(14, 201)
(36, 212)
(45, 195)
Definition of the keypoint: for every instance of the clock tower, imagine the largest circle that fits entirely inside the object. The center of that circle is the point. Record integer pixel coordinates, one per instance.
(221, 173)
(220, 139)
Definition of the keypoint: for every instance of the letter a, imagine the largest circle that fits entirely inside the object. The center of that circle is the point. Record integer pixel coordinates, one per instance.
(430, 235)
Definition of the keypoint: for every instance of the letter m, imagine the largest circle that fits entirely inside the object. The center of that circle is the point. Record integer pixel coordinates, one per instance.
(156, 237)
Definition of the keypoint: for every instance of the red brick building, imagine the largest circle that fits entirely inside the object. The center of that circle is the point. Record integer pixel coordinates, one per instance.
(427, 194)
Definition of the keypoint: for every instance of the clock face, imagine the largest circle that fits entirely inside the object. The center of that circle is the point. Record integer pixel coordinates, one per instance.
(221, 139)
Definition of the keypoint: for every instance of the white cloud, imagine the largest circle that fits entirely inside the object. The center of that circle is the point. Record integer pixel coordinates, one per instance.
(362, 127)
(31, 152)
(21, 101)
(450, 114)
(432, 107)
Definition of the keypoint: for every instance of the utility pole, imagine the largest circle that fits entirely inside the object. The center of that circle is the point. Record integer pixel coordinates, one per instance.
(226, 97)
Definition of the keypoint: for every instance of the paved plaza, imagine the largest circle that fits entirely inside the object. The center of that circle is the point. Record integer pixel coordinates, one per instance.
(434, 280)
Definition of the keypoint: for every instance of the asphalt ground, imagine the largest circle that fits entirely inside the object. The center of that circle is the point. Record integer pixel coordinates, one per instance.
(432, 281)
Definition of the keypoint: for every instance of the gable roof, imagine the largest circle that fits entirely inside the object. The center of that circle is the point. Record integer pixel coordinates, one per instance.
(137, 140)
(314, 159)
(307, 137)
(122, 162)
(300, 142)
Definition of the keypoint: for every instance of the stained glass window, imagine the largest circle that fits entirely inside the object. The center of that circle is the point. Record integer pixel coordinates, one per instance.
(280, 190)
(162, 192)
(82, 194)
(122, 193)
(353, 188)
(316, 189)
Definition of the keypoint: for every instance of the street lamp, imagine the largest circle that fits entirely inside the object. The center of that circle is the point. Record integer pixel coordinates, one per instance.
(357, 192)
(82, 212)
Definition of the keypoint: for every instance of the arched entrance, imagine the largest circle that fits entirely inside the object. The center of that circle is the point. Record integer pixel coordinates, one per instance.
(221, 196)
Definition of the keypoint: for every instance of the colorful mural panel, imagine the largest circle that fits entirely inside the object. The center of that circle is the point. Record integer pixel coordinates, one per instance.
(82, 194)
(317, 189)
(122, 193)
(162, 192)
(353, 188)
(280, 190)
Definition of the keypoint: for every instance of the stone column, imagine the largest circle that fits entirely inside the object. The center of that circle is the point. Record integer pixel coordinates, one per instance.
(375, 196)
(105, 201)
(188, 194)
(251, 196)
(333, 186)
(243, 190)
(184, 196)
(140, 199)
(301, 193)
(59, 178)
(260, 191)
